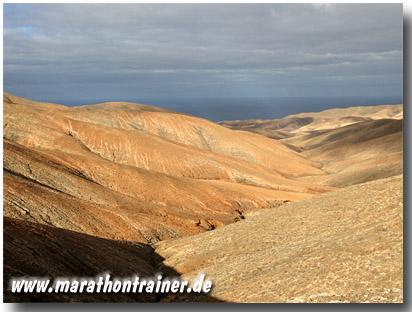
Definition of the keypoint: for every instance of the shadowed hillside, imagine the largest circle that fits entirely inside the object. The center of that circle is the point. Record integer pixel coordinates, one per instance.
(32, 249)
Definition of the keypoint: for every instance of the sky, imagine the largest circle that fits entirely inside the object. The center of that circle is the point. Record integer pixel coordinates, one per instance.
(89, 53)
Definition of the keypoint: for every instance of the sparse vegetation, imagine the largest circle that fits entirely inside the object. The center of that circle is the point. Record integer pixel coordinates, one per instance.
(158, 190)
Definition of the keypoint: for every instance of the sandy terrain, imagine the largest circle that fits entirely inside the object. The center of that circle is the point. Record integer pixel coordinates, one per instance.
(342, 246)
(307, 123)
(135, 189)
(351, 145)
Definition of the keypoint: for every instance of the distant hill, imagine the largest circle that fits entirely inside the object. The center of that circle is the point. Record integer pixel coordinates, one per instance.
(306, 123)
(351, 145)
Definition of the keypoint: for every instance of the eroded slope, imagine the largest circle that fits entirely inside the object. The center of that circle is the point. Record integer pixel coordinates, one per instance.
(135, 172)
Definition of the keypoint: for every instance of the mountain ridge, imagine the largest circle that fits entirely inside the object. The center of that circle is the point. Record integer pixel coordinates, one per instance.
(147, 185)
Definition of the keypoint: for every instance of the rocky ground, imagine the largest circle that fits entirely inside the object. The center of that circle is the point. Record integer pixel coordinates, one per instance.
(342, 246)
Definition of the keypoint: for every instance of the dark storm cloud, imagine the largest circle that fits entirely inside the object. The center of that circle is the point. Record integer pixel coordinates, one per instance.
(131, 51)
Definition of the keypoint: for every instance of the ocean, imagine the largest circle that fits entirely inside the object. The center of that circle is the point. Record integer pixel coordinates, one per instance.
(218, 109)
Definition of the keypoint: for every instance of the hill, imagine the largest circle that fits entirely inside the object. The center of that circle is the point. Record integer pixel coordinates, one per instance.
(356, 153)
(307, 123)
(341, 246)
(136, 189)
(135, 172)
(351, 145)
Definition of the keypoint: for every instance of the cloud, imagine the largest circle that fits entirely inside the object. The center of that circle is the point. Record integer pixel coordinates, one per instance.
(132, 51)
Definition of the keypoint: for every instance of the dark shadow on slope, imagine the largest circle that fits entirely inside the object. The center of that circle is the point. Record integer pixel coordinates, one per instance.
(36, 250)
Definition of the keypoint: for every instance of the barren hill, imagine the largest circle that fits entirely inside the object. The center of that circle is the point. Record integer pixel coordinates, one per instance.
(356, 153)
(131, 188)
(135, 172)
(306, 123)
(341, 246)
(351, 145)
